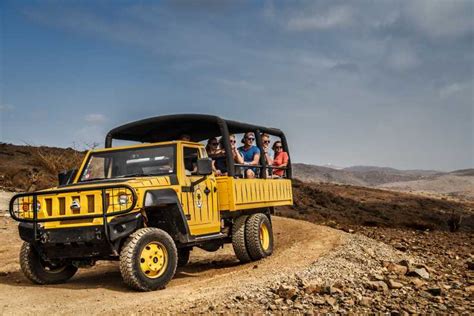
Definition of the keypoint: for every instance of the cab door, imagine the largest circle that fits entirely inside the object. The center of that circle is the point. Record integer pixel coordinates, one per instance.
(199, 204)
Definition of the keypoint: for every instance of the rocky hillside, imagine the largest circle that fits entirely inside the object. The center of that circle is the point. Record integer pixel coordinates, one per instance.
(348, 206)
(28, 168)
(458, 184)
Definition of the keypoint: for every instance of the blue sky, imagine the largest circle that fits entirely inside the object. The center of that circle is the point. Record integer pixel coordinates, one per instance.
(386, 83)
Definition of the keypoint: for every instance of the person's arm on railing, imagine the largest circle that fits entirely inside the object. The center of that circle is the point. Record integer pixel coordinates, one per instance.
(256, 160)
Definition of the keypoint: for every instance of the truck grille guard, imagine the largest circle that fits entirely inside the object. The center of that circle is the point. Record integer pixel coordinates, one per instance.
(109, 200)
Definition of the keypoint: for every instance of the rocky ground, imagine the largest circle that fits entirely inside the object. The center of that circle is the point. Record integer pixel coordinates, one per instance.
(361, 276)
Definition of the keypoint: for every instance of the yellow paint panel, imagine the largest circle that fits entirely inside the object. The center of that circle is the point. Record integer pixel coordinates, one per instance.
(240, 194)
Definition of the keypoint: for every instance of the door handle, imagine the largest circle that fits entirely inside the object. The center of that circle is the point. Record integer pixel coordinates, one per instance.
(207, 191)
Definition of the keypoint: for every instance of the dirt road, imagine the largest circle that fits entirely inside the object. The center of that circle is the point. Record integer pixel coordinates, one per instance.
(208, 277)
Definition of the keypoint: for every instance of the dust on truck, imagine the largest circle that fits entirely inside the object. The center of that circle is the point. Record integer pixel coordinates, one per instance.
(148, 205)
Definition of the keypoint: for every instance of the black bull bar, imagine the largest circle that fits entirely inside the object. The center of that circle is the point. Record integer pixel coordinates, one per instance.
(107, 195)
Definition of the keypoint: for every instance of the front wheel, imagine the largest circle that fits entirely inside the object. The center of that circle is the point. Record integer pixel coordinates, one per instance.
(42, 272)
(148, 259)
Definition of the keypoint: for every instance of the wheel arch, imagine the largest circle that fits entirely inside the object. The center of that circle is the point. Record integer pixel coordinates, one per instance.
(163, 210)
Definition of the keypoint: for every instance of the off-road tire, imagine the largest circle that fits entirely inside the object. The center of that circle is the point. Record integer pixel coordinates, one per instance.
(130, 259)
(183, 256)
(252, 236)
(34, 268)
(238, 239)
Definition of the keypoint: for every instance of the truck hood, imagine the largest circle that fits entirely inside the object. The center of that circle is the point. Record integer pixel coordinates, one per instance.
(135, 182)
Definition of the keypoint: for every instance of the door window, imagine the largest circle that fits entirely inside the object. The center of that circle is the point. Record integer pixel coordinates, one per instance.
(190, 157)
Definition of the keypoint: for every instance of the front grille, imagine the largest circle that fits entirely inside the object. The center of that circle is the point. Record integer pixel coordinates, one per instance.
(72, 204)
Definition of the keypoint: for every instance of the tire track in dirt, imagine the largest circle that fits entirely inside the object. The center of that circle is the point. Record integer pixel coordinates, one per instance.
(208, 276)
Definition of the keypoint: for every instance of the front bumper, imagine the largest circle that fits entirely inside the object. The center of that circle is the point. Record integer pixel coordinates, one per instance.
(81, 242)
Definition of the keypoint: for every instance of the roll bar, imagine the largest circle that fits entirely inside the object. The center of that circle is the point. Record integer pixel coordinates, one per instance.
(199, 127)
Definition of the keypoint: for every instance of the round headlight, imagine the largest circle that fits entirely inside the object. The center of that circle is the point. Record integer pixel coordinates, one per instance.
(123, 199)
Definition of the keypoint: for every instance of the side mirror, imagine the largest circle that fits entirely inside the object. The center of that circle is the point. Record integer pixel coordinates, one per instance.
(66, 177)
(204, 166)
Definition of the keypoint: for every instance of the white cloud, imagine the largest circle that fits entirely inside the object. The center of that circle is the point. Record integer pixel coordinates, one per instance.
(454, 88)
(95, 118)
(442, 18)
(335, 17)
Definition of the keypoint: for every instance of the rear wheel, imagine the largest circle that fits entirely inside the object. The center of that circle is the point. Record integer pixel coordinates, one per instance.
(183, 256)
(259, 236)
(238, 239)
(148, 259)
(41, 272)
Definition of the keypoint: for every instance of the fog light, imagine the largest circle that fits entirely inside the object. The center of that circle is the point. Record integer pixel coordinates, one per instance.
(123, 199)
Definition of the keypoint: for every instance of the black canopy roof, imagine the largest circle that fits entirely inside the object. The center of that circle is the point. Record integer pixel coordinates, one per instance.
(170, 127)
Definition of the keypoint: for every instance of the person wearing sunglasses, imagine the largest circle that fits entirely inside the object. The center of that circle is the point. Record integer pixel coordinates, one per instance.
(219, 163)
(267, 151)
(280, 159)
(251, 154)
(212, 147)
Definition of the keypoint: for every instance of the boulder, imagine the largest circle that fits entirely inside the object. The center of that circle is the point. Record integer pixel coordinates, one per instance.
(397, 268)
(419, 272)
(380, 286)
(286, 291)
(417, 283)
(314, 287)
(392, 284)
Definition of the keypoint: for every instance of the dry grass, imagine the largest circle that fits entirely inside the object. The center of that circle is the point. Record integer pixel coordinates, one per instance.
(56, 162)
(29, 168)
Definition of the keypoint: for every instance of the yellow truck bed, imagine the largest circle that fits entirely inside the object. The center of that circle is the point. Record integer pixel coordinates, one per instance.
(240, 194)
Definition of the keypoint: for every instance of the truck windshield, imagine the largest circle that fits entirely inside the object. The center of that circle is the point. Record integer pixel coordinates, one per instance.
(137, 162)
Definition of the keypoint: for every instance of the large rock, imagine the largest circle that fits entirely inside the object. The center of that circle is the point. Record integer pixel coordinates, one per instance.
(286, 291)
(397, 268)
(419, 272)
(314, 287)
(379, 286)
(392, 284)
(417, 283)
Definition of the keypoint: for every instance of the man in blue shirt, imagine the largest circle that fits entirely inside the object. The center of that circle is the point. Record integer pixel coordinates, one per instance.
(250, 153)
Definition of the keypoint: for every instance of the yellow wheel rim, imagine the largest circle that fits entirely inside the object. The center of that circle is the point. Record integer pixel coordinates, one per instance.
(264, 236)
(154, 260)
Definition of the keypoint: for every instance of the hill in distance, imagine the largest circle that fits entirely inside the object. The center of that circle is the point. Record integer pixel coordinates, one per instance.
(458, 183)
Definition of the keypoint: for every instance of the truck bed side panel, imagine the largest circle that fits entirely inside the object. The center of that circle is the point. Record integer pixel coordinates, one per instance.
(241, 194)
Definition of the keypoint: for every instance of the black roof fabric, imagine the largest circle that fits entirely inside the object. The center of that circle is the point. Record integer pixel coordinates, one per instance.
(170, 127)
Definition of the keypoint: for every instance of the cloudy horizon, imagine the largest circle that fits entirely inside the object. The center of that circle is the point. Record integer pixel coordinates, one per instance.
(350, 83)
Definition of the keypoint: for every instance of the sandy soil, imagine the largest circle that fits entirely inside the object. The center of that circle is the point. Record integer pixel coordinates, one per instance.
(5, 199)
(208, 277)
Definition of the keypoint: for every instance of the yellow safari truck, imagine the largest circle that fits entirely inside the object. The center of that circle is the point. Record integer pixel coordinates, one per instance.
(148, 205)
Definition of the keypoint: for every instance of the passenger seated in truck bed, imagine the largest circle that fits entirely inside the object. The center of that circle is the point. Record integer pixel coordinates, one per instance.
(251, 154)
(219, 158)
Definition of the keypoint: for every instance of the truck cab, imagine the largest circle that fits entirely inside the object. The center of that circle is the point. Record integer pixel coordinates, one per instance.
(148, 205)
